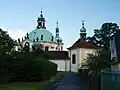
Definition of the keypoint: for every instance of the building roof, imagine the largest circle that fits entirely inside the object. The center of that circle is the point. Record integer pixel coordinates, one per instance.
(41, 33)
(46, 35)
(82, 44)
(58, 55)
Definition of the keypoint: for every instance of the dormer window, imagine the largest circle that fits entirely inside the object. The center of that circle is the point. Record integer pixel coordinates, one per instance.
(52, 38)
(41, 37)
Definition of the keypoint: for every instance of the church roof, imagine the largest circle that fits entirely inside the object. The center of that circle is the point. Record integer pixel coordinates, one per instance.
(42, 34)
(82, 44)
(58, 55)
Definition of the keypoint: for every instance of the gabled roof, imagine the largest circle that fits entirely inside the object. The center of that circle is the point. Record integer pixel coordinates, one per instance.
(58, 55)
(82, 44)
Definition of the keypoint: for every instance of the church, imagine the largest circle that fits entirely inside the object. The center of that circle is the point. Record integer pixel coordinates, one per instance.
(71, 60)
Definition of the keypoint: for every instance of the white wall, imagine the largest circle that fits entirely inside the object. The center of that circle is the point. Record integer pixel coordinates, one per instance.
(63, 65)
(50, 45)
(81, 54)
(74, 67)
(113, 49)
(30, 43)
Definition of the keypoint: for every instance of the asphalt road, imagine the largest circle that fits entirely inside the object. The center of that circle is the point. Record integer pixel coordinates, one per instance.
(70, 81)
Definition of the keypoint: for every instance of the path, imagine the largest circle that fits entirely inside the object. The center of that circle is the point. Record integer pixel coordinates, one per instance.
(69, 81)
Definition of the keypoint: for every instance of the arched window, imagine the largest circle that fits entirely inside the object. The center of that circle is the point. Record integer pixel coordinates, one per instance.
(27, 44)
(41, 37)
(73, 59)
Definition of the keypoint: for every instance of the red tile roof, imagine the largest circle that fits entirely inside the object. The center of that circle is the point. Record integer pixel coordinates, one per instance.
(82, 44)
(58, 55)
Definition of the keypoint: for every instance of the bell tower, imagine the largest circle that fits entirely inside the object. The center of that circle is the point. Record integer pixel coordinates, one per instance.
(41, 21)
(83, 32)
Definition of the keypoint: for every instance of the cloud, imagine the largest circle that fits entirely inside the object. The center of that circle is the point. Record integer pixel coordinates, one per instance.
(15, 33)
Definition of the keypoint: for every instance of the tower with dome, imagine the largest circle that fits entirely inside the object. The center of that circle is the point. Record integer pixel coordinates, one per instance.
(71, 60)
(79, 50)
(42, 36)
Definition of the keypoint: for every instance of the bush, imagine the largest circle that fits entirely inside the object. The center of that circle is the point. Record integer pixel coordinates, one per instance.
(26, 67)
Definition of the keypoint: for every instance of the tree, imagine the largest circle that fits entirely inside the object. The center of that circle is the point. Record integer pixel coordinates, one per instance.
(6, 46)
(6, 42)
(98, 61)
(101, 36)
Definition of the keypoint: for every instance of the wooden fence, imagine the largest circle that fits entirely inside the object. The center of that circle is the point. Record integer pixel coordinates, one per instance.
(110, 80)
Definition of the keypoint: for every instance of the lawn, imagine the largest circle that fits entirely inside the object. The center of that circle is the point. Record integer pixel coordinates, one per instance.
(29, 85)
(23, 86)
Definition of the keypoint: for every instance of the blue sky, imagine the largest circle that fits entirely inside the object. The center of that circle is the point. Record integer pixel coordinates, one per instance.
(20, 16)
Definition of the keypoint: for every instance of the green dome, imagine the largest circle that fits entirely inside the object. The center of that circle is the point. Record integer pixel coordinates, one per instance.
(42, 34)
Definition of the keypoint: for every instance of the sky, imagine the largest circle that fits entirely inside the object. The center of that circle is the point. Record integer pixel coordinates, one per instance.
(20, 16)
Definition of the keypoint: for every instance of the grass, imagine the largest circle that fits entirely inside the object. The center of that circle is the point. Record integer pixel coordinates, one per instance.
(29, 85)
(23, 86)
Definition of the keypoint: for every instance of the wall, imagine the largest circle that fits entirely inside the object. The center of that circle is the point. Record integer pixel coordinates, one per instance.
(30, 43)
(74, 67)
(81, 55)
(52, 46)
(113, 49)
(63, 65)
(84, 53)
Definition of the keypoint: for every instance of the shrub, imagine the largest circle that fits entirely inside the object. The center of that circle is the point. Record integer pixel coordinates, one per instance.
(26, 67)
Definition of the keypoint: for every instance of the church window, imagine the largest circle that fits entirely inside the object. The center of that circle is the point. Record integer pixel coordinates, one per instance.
(73, 59)
(41, 37)
(27, 44)
(52, 38)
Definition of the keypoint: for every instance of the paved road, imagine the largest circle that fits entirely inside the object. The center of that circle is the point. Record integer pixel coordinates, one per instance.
(69, 81)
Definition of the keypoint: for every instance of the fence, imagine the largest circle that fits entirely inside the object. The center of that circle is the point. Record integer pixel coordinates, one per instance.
(94, 80)
(110, 80)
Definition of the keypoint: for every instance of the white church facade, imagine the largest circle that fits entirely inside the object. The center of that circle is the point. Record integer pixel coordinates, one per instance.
(79, 50)
(70, 60)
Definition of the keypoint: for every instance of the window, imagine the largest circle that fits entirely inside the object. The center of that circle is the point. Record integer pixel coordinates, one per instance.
(46, 48)
(52, 47)
(41, 37)
(52, 38)
(61, 48)
(27, 44)
(73, 59)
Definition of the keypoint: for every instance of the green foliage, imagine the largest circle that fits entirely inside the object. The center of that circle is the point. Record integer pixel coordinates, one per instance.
(27, 66)
(6, 42)
(99, 61)
(101, 36)
(24, 65)
(6, 48)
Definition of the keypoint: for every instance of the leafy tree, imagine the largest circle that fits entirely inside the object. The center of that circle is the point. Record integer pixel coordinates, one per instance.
(6, 42)
(98, 61)
(101, 36)
(6, 47)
